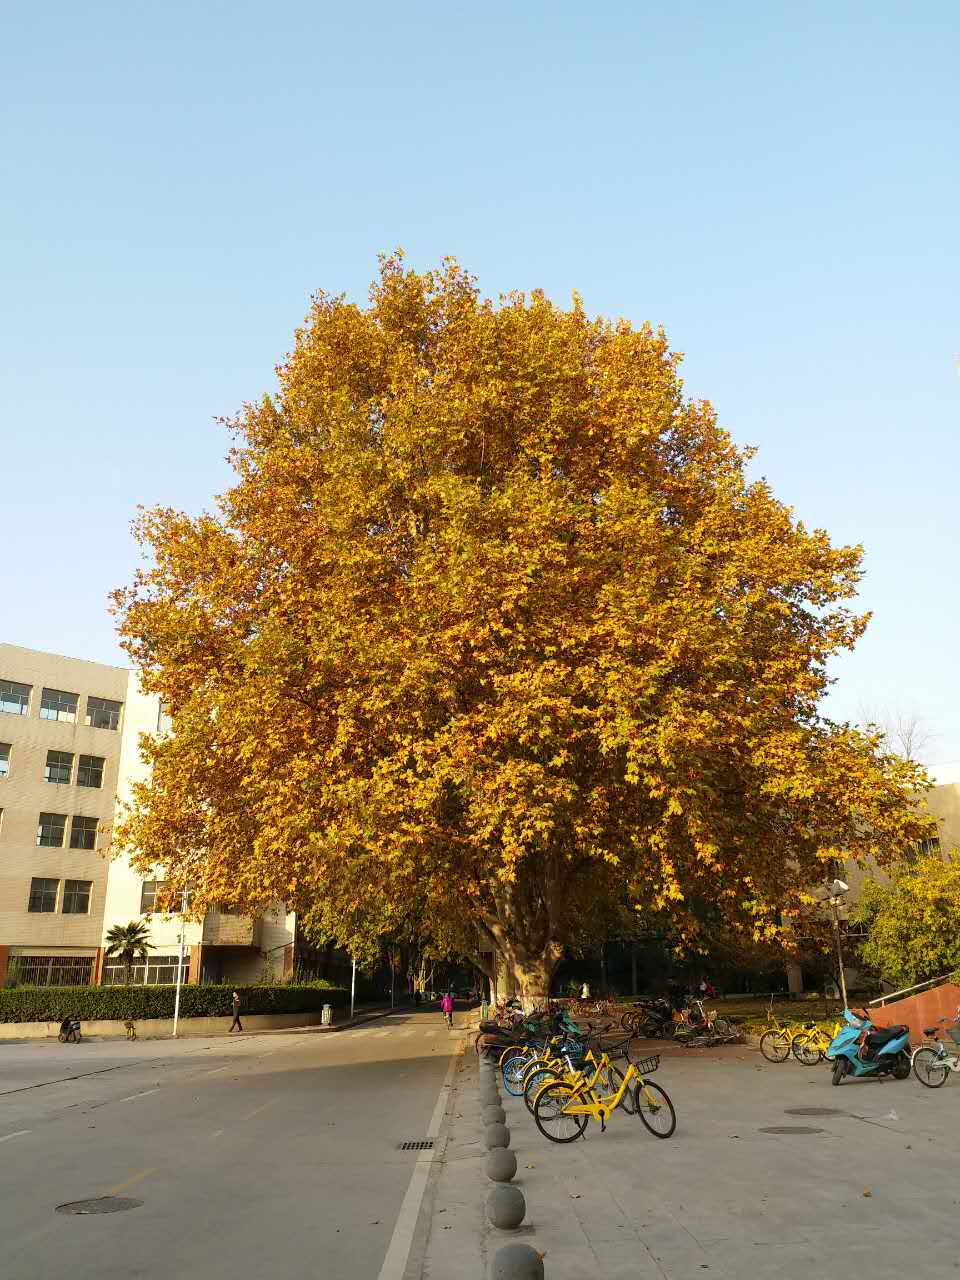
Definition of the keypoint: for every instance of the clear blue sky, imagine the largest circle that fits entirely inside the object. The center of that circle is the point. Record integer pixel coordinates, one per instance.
(776, 184)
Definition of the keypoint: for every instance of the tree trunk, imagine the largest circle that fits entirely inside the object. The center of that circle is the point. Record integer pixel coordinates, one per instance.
(633, 969)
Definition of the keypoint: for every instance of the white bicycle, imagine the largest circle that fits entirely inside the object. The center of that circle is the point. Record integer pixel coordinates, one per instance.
(931, 1063)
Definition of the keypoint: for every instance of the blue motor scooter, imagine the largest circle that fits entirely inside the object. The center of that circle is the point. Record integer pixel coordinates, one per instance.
(884, 1051)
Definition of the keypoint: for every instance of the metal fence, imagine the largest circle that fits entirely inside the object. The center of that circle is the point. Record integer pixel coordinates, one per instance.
(52, 971)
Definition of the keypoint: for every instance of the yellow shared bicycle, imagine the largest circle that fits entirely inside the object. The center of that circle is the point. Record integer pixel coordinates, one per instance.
(810, 1047)
(564, 1108)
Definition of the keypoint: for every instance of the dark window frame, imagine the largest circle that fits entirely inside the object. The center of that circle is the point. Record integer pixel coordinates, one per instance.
(55, 704)
(59, 781)
(13, 693)
(103, 713)
(87, 770)
(148, 895)
(72, 895)
(51, 844)
(40, 896)
(80, 827)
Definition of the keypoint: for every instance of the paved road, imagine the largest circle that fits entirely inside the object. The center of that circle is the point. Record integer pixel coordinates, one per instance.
(262, 1156)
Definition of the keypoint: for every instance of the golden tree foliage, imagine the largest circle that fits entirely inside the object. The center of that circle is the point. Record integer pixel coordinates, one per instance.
(913, 922)
(492, 630)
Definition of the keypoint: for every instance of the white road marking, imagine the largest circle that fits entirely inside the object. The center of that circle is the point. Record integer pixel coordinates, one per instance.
(19, 1134)
(398, 1252)
(133, 1096)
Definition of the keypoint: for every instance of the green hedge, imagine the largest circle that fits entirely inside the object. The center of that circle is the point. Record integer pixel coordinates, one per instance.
(53, 1004)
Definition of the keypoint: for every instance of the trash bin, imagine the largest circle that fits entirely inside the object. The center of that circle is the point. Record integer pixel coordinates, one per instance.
(326, 1015)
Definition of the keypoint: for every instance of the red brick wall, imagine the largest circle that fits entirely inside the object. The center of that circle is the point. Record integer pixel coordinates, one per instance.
(919, 1011)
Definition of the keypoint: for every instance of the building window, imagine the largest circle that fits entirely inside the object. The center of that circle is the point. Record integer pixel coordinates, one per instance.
(103, 713)
(43, 895)
(149, 891)
(52, 971)
(76, 897)
(51, 829)
(90, 771)
(14, 698)
(83, 832)
(59, 766)
(928, 846)
(4, 759)
(156, 971)
(57, 705)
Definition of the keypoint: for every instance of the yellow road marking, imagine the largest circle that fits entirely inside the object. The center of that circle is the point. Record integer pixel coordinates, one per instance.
(137, 1177)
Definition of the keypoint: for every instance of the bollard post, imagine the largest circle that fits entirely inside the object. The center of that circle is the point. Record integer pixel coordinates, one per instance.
(496, 1135)
(500, 1164)
(506, 1207)
(516, 1262)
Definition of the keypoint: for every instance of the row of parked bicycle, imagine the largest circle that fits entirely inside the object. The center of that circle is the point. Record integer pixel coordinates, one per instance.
(856, 1047)
(567, 1075)
(689, 1024)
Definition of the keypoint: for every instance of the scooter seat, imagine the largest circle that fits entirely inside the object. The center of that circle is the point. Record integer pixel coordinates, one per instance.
(883, 1035)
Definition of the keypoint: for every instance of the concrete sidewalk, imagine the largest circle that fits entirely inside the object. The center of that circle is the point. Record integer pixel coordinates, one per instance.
(868, 1187)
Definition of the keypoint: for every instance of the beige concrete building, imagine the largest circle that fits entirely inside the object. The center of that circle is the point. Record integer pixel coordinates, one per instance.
(69, 755)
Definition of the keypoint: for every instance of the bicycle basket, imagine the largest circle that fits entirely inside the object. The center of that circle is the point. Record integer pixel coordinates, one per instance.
(647, 1066)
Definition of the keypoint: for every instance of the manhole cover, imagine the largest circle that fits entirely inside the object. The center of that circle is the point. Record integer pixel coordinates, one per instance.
(426, 1145)
(812, 1111)
(102, 1204)
(790, 1128)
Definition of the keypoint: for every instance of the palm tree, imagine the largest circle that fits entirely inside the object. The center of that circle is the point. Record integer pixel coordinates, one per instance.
(129, 942)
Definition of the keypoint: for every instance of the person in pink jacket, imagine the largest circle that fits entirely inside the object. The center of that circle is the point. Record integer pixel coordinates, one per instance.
(446, 1008)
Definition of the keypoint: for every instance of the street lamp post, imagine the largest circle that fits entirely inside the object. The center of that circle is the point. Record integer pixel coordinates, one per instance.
(837, 890)
(176, 998)
(353, 986)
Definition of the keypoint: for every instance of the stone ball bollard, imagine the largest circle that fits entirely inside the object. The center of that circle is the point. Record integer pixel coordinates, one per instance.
(494, 1115)
(506, 1207)
(496, 1135)
(500, 1164)
(516, 1262)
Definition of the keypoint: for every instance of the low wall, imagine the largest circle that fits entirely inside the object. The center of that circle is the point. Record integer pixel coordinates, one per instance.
(162, 1028)
(919, 1011)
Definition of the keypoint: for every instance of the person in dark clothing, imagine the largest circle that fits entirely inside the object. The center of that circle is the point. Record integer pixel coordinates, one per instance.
(235, 1004)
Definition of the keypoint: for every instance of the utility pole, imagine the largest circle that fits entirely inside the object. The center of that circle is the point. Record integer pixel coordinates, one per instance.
(353, 986)
(176, 998)
(837, 890)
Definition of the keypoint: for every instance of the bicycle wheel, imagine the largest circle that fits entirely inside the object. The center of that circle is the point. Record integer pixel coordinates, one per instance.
(629, 1020)
(806, 1050)
(514, 1069)
(511, 1051)
(929, 1069)
(551, 1119)
(535, 1082)
(655, 1109)
(775, 1046)
(723, 1027)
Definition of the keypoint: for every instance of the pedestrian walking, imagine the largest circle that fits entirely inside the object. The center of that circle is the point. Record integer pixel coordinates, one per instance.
(446, 1008)
(235, 1004)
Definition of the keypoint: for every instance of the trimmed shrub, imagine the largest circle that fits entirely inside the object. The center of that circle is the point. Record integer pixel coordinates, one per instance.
(53, 1004)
